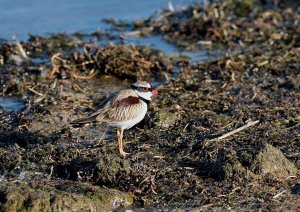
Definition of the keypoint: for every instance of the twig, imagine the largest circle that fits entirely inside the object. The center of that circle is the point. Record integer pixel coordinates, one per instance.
(166, 77)
(41, 98)
(279, 194)
(185, 127)
(50, 174)
(153, 190)
(171, 6)
(102, 137)
(21, 49)
(249, 124)
(134, 33)
(147, 178)
(158, 156)
(83, 77)
(292, 176)
(36, 92)
(55, 67)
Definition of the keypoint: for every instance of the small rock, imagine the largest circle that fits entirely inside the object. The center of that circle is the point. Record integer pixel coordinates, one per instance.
(165, 118)
(271, 161)
(227, 166)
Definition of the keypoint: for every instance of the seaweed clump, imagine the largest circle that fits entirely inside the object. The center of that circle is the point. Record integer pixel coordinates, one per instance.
(226, 23)
(117, 60)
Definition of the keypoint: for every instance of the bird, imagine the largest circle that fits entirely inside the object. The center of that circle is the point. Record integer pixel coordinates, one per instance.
(122, 109)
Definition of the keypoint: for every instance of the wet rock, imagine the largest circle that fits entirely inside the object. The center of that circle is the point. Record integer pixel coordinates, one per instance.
(227, 166)
(62, 196)
(271, 161)
(165, 118)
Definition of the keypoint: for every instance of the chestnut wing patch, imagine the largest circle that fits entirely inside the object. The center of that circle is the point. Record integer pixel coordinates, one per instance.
(121, 109)
(128, 101)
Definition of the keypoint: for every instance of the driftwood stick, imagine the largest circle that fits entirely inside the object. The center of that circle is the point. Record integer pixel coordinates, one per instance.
(249, 124)
(36, 92)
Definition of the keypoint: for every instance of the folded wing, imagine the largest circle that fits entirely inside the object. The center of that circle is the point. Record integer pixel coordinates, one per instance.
(121, 106)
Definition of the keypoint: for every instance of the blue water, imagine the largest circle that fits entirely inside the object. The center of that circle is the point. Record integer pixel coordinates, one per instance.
(20, 17)
(11, 104)
(204, 54)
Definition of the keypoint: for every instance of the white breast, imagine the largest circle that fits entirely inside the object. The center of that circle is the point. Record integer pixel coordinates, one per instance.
(130, 123)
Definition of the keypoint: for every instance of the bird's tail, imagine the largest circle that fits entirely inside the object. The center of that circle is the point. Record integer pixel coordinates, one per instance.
(85, 120)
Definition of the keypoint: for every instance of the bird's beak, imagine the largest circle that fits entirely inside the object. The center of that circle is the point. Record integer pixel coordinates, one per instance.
(154, 92)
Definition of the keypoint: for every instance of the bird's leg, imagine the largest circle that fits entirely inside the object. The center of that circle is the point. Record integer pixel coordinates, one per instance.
(120, 138)
(118, 135)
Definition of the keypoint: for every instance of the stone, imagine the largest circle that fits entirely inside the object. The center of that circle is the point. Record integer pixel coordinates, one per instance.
(227, 166)
(271, 161)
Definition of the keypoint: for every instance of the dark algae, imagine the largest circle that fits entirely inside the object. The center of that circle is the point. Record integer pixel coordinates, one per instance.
(196, 147)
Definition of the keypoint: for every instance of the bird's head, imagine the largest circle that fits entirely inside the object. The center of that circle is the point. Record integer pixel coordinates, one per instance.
(144, 90)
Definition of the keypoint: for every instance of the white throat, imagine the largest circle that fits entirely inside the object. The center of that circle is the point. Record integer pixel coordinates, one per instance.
(146, 95)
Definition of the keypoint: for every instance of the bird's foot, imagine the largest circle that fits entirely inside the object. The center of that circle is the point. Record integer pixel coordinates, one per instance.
(123, 154)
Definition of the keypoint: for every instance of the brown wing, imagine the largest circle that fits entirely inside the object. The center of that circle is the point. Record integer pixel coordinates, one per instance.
(127, 101)
(120, 106)
(124, 106)
(92, 117)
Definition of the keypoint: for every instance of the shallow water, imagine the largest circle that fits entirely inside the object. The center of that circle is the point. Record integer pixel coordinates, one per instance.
(11, 104)
(20, 17)
(157, 42)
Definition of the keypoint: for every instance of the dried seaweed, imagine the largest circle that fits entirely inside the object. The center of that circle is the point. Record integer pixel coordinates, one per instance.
(177, 160)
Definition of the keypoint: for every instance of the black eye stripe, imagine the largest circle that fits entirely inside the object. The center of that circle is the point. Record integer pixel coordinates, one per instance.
(143, 89)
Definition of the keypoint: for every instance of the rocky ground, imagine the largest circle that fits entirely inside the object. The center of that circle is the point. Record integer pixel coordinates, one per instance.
(179, 158)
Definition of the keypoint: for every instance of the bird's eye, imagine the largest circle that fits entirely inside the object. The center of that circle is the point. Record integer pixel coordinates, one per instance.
(145, 89)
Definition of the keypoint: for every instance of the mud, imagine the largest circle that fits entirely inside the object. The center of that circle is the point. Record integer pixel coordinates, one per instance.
(177, 160)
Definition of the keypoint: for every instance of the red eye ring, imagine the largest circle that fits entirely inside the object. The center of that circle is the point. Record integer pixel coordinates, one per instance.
(145, 89)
